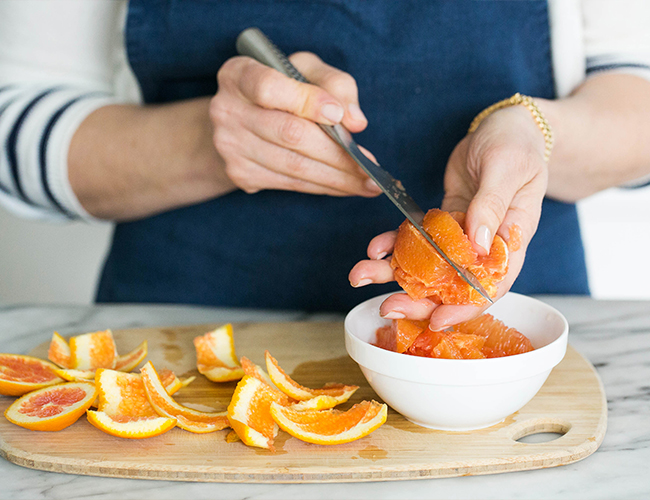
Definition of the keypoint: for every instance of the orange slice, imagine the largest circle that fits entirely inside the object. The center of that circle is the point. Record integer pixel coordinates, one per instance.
(421, 272)
(75, 375)
(59, 351)
(52, 408)
(302, 393)
(249, 412)
(129, 361)
(331, 426)
(130, 427)
(186, 418)
(215, 354)
(22, 374)
(93, 350)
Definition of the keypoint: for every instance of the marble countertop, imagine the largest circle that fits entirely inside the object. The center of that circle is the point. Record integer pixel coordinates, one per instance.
(613, 335)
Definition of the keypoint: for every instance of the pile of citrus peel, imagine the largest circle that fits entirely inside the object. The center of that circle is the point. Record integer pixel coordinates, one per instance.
(89, 373)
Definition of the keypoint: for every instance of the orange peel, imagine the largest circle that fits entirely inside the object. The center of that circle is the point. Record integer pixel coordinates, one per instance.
(52, 408)
(331, 426)
(130, 427)
(301, 393)
(216, 358)
(129, 361)
(186, 418)
(93, 350)
(249, 412)
(22, 374)
(59, 351)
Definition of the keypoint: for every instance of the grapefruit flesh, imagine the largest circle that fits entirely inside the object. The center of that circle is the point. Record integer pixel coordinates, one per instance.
(22, 374)
(423, 273)
(482, 337)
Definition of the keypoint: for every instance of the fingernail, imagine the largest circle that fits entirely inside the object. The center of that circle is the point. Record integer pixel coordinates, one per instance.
(483, 237)
(363, 282)
(371, 185)
(381, 255)
(332, 112)
(394, 315)
(356, 113)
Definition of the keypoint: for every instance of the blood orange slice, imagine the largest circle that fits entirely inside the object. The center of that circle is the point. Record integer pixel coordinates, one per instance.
(331, 426)
(22, 374)
(301, 393)
(52, 408)
(187, 418)
(93, 350)
(215, 354)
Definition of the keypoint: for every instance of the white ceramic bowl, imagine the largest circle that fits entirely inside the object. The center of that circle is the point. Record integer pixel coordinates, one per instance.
(465, 394)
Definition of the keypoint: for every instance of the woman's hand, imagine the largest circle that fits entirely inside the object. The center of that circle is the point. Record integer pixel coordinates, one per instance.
(265, 128)
(498, 176)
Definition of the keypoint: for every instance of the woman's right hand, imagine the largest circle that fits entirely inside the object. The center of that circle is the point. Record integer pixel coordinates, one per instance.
(265, 128)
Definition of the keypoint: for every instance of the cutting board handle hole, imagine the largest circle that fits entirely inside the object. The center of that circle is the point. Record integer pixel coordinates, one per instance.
(541, 430)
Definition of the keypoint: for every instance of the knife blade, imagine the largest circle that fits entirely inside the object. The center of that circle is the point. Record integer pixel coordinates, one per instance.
(253, 43)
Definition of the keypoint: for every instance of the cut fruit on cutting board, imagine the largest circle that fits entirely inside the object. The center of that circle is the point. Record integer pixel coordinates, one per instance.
(571, 403)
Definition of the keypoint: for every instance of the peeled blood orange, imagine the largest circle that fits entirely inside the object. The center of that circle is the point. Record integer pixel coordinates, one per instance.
(422, 272)
(22, 374)
(52, 408)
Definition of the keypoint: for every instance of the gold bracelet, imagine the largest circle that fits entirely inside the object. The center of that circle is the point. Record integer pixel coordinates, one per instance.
(530, 104)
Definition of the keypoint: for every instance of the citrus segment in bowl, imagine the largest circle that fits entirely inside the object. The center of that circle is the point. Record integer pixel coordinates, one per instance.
(187, 418)
(52, 408)
(93, 350)
(479, 338)
(130, 427)
(215, 354)
(22, 374)
(331, 426)
(301, 393)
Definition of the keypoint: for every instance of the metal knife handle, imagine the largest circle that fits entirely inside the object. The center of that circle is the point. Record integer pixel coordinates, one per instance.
(253, 43)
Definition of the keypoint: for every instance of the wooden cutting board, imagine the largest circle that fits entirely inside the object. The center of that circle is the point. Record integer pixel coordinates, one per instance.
(572, 403)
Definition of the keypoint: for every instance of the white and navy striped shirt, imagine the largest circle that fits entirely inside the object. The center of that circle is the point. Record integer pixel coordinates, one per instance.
(62, 59)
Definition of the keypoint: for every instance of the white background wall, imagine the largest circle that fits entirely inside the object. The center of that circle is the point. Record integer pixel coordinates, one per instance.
(59, 263)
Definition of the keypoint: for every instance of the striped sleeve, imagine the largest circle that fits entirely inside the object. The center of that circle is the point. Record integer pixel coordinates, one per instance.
(617, 36)
(60, 60)
(36, 126)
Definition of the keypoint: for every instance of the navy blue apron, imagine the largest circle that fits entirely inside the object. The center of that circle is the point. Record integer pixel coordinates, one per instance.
(424, 70)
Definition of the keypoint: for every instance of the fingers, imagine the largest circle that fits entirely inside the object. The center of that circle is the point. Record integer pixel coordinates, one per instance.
(339, 84)
(296, 169)
(400, 305)
(270, 89)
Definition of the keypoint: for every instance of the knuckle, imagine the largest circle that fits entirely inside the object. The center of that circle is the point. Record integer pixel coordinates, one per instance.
(296, 164)
(265, 88)
(291, 131)
(495, 204)
(341, 83)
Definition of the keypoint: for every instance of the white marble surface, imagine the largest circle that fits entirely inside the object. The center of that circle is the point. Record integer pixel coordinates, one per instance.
(615, 336)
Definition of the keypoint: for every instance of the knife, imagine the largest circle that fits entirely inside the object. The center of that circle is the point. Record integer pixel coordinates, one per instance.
(253, 43)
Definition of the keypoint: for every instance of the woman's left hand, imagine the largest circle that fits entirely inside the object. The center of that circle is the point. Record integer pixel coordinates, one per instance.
(498, 176)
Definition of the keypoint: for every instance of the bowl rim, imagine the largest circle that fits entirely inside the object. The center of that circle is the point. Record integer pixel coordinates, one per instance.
(532, 363)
